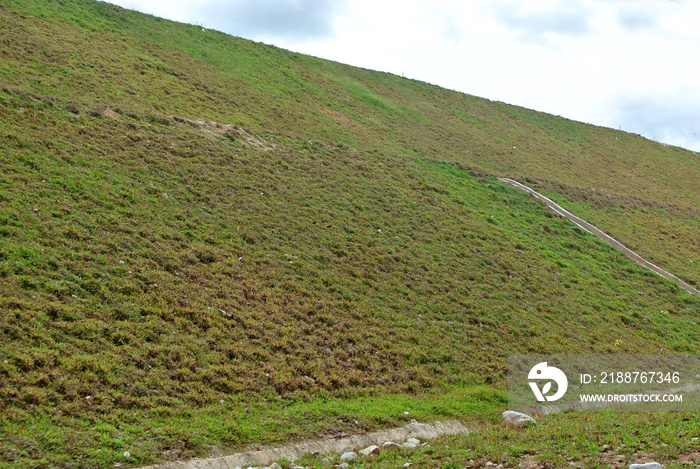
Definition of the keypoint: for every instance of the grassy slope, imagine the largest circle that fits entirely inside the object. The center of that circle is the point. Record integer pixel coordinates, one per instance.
(152, 267)
(99, 54)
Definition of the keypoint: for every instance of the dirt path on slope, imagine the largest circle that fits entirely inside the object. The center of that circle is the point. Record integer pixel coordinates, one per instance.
(608, 239)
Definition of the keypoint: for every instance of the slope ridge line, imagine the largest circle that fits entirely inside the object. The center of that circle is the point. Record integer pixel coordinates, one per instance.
(601, 235)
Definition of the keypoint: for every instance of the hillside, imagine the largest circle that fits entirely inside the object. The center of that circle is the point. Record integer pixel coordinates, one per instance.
(193, 224)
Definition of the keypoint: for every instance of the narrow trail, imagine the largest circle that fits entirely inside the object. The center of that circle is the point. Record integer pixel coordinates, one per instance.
(596, 232)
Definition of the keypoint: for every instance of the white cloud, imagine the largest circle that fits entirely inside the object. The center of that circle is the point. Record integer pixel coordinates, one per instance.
(543, 20)
(663, 119)
(637, 18)
(286, 19)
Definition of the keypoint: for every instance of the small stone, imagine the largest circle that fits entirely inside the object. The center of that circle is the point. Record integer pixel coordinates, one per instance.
(274, 465)
(408, 464)
(374, 449)
(649, 465)
(390, 446)
(410, 445)
(349, 456)
(343, 465)
(414, 441)
(127, 454)
(326, 461)
(606, 448)
(517, 419)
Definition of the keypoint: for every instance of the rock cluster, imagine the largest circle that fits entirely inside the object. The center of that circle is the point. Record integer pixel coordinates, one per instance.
(517, 419)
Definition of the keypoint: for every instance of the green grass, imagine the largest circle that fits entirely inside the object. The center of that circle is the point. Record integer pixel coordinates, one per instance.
(226, 426)
(575, 439)
(337, 237)
(661, 233)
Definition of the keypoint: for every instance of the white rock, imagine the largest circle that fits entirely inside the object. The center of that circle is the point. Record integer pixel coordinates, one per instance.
(649, 465)
(410, 445)
(349, 456)
(374, 449)
(390, 445)
(517, 419)
(343, 465)
(408, 464)
(414, 441)
(274, 465)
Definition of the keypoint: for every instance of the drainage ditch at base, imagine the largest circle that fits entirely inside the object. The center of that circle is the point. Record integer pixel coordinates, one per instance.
(294, 452)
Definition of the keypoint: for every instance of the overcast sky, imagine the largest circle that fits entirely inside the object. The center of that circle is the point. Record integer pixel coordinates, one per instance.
(629, 64)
